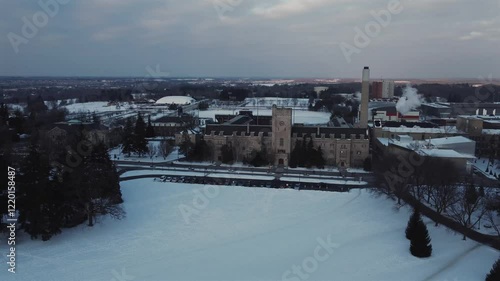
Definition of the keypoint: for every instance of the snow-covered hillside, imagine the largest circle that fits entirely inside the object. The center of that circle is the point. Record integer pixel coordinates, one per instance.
(190, 232)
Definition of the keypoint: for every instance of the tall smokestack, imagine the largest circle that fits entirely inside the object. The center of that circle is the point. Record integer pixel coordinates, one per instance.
(363, 109)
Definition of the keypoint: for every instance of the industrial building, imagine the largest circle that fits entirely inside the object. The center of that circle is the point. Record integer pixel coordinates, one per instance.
(458, 150)
(447, 110)
(485, 130)
(382, 89)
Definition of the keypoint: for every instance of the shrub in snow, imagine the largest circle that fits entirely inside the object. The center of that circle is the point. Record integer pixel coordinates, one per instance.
(420, 244)
(494, 274)
(412, 224)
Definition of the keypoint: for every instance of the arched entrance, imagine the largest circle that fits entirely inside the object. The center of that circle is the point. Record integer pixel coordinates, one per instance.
(281, 161)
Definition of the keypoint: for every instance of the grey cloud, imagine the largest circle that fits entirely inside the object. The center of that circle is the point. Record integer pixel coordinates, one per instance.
(439, 38)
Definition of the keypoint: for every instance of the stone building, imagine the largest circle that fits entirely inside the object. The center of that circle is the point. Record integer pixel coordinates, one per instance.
(343, 147)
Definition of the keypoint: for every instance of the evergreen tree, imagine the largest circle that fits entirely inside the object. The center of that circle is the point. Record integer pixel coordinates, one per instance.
(128, 138)
(95, 119)
(367, 164)
(203, 105)
(150, 132)
(4, 114)
(186, 147)
(72, 206)
(303, 154)
(295, 154)
(471, 194)
(420, 243)
(310, 154)
(200, 151)
(481, 191)
(319, 161)
(140, 142)
(227, 154)
(494, 274)
(259, 158)
(412, 224)
(310, 146)
(98, 185)
(38, 193)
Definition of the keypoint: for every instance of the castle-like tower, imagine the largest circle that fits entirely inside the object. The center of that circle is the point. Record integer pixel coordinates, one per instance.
(281, 135)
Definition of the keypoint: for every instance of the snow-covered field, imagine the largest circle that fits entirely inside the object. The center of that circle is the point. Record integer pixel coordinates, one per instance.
(96, 106)
(190, 232)
(299, 116)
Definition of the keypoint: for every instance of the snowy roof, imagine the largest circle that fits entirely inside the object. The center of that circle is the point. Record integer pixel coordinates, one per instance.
(450, 140)
(444, 153)
(491, 132)
(489, 118)
(403, 129)
(422, 150)
(436, 105)
(384, 141)
(176, 100)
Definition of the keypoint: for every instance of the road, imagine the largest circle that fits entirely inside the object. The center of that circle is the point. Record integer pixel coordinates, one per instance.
(272, 171)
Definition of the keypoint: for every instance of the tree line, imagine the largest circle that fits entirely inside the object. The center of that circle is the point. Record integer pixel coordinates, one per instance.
(60, 183)
(305, 155)
(134, 136)
(65, 185)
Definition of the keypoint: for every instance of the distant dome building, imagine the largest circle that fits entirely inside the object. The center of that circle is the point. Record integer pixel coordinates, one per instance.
(180, 100)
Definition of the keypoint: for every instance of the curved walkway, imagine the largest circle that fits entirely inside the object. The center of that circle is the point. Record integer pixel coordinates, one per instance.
(453, 262)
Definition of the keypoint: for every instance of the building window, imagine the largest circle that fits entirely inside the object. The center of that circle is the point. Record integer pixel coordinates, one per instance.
(282, 142)
(343, 146)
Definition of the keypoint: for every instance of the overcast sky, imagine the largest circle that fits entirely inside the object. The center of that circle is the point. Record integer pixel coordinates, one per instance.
(250, 38)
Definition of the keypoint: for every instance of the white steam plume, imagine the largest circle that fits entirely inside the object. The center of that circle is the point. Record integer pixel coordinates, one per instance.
(357, 96)
(409, 101)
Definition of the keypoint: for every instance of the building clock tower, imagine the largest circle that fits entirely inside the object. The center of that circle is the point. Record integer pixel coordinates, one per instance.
(282, 135)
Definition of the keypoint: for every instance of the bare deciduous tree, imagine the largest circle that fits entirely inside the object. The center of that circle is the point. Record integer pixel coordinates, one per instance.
(492, 213)
(164, 148)
(442, 198)
(469, 209)
(103, 206)
(152, 150)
